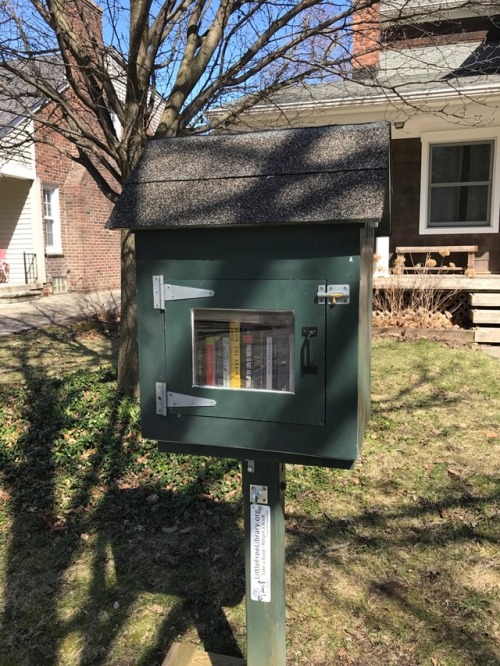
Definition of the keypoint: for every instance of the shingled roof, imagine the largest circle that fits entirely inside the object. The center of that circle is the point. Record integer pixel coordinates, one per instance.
(19, 99)
(293, 176)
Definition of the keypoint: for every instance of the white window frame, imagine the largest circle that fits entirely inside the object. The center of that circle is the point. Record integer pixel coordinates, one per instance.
(116, 124)
(55, 218)
(459, 136)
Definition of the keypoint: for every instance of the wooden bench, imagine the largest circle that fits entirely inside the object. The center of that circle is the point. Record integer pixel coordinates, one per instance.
(436, 249)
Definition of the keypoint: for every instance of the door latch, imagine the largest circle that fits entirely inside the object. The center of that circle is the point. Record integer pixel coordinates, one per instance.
(333, 294)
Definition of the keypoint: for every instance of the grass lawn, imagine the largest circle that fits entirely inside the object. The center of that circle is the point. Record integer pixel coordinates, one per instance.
(110, 551)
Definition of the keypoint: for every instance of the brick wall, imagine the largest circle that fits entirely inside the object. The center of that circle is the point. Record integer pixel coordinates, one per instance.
(93, 251)
(366, 38)
(85, 20)
(90, 256)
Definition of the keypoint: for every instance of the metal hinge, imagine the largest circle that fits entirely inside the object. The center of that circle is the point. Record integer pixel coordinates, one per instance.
(333, 294)
(173, 292)
(161, 399)
(166, 399)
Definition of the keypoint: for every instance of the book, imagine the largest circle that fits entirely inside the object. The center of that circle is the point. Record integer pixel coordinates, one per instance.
(200, 361)
(210, 361)
(291, 363)
(258, 360)
(269, 363)
(234, 355)
(226, 361)
(247, 346)
(282, 362)
(219, 361)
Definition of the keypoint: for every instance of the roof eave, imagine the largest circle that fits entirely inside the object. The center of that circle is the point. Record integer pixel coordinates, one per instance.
(396, 99)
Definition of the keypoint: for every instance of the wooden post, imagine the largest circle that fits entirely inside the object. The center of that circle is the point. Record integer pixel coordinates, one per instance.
(264, 512)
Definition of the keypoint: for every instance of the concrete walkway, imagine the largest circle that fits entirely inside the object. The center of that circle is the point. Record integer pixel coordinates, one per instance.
(50, 310)
(492, 350)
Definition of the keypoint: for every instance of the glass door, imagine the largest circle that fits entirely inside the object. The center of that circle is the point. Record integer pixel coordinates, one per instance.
(256, 348)
(251, 350)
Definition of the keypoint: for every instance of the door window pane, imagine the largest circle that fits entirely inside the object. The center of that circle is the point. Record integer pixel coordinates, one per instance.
(244, 349)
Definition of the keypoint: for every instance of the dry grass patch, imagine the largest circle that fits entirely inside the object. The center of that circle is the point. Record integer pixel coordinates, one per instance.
(53, 349)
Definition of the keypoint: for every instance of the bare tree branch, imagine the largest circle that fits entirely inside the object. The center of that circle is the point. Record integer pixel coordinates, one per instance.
(165, 65)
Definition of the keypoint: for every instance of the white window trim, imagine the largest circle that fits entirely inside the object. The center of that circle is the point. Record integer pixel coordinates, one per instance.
(56, 247)
(460, 136)
(116, 124)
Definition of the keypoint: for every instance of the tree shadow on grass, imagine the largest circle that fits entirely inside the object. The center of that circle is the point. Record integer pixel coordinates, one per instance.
(402, 565)
(79, 499)
(184, 551)
(44, 351)
(38, 470)
(164, 555)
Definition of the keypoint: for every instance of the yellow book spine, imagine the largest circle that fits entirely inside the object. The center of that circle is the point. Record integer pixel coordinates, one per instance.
(235, 354)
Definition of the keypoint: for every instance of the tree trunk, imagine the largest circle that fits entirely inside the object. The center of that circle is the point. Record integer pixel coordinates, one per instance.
(128, 354)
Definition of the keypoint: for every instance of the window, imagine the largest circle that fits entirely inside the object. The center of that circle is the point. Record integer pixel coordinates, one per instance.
(458, 183)
(244, 349)
(52, 220)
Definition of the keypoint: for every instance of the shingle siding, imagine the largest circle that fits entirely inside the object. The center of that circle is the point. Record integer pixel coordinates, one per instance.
(428, 60)
(405, 170)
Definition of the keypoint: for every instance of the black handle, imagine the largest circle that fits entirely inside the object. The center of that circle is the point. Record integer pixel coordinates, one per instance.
(306, 368)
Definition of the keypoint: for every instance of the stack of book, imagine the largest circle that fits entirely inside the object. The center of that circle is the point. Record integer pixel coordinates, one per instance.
(244, 355)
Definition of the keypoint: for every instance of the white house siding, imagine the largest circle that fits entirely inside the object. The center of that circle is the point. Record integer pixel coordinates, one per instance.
(16, 225)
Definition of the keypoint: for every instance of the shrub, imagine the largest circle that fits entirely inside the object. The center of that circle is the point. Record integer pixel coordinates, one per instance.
(415, 297)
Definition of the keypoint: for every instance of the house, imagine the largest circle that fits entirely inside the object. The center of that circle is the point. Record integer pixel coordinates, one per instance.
(432, 69)
(52, 213)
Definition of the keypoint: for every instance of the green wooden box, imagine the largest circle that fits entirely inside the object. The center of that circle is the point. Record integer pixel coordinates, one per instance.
(254, 263)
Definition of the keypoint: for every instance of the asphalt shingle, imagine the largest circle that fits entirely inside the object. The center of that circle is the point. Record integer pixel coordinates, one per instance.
(292, 176)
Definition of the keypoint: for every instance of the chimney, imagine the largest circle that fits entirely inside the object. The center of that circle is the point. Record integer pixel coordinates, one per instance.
(84, 20)
(365, 39)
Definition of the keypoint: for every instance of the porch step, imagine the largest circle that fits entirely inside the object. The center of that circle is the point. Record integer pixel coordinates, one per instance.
(487, 336)
(485, 300)
(18, 293)
(486, 316)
